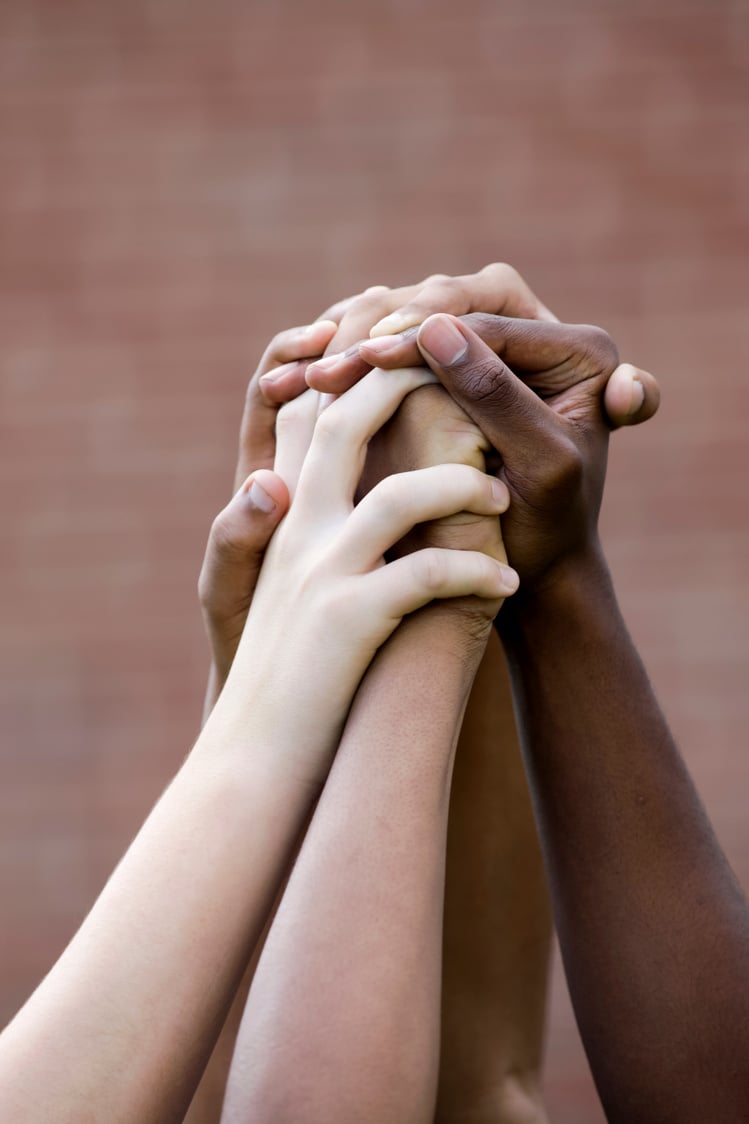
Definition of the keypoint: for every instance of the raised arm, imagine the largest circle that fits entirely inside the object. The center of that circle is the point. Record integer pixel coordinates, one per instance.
(122, 1026)
(653, 927)
(343, 1020)
(501, 845)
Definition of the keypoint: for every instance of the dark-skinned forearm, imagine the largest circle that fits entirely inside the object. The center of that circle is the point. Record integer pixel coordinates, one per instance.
(653, 927)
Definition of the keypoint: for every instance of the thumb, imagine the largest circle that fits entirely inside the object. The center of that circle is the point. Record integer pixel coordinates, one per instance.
(239, 537)
(511, 416)
(631, 396)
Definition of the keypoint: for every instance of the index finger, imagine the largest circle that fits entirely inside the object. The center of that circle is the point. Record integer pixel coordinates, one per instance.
(563, 353)
(285, 353)
(497, 288)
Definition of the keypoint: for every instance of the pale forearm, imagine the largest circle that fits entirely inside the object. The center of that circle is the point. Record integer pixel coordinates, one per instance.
(122, 1026)
(353, 1033)
(654, 930)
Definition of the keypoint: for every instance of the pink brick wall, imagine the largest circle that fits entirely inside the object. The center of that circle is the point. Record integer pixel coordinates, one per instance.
(181, 180)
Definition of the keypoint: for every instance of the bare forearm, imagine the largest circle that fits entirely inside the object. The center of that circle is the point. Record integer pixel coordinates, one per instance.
(654, 929)
(497, 920)
(122, 1026)
(353, 1032)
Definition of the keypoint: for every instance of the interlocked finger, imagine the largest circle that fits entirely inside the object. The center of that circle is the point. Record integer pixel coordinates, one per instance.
(399, 502)
(336, 455)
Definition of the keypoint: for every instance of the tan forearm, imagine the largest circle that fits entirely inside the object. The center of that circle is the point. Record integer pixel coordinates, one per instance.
(353, 1031)
(497, 920)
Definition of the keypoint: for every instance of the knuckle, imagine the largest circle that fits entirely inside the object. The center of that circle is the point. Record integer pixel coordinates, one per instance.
(600, 348)
(327, 428)
(226, 539)
(485, 381)
(503, 273)
(392, 497)
(292, 414)
(280, 343)
(432, 569)
(437, 279)
(566, 467)
(369, 302)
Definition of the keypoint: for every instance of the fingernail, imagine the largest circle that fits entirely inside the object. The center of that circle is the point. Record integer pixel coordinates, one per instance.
(443, 341)
(395, 322)
(278, 372)
(328, 363)
(499, 491)
(637, 396)
(259, 498)
(382, 344)
(509, 577)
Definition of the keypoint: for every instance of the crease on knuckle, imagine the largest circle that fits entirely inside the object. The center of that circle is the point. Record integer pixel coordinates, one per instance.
(369, 303)
(388, 499)
(328, 429)
(226, 541)
(600, 348)
(485, 382)
(432, 570)
(292, 414)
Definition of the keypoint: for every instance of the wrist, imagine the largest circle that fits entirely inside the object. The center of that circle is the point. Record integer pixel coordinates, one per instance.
(571, 588)
(457, 628)
(244, 738)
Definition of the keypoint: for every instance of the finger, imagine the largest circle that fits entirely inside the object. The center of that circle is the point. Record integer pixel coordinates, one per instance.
(395, 505)
(512, 417)
(295, 426)
(336, 373)
(364, 311)
(236, 545)
(549, 356)
(414, 580)
(559, 354)
(337, 311)
(285, 382)
(305, 342)
(338, 448)
(497, 288)
(257, 431)
(631, 396)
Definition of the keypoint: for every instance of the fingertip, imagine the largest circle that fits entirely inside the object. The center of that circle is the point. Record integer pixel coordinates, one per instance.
(510, 579)
(442, 337)
(283, 383)
(631, 397)
(265, 494)
(501, 494)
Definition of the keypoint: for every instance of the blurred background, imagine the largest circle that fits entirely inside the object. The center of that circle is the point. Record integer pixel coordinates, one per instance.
(183, 179)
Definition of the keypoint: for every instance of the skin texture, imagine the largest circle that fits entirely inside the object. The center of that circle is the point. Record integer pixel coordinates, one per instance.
(511, 1044)
(653, 927)
(123, 1025)
(497, 924)
(494, 974)
(343, 1020)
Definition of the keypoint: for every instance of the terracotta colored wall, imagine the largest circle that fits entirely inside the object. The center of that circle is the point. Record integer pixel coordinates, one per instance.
(181, 180)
